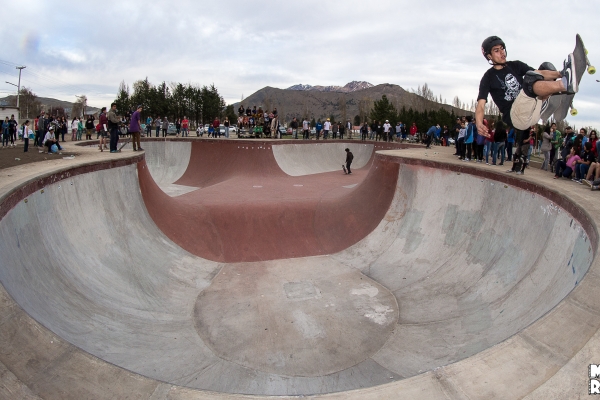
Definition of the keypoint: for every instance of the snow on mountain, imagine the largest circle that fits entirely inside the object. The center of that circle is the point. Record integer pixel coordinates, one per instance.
(349, 87)
(300, 87)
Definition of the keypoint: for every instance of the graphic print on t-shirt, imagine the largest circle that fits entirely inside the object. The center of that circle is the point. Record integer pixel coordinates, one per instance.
(511, 87)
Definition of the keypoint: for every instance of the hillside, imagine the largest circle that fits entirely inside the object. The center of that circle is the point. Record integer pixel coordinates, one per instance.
(322, 104)
(47, 102)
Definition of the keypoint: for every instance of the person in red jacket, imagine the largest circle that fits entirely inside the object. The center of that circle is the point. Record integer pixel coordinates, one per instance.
(185, 127)
(413, 129)
(216, 123)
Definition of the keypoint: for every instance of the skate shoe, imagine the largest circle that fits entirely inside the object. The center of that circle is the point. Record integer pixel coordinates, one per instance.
(569, 73)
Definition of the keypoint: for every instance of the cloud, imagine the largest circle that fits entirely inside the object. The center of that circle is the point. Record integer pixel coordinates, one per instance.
(242, 47)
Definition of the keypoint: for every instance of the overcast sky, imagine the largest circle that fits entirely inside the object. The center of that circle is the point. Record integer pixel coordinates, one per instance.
(74, 47)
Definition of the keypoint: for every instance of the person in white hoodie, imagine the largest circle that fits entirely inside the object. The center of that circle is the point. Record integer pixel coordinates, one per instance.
(74, 127)
(326, 129)
(27, 133)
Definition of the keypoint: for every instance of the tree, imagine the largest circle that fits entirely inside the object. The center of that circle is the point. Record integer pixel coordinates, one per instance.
(213, 104)
(342, 106)
(356, 120)
(230, 114)
(364, 108)
(426, 93)
(383, 110)
(122, 100)
(79, 106)
(29, 104)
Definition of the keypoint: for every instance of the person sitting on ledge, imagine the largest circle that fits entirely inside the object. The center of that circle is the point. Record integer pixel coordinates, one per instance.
(50, 139)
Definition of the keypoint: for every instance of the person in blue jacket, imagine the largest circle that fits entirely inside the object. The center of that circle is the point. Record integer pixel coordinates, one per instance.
(428, 136)
(510, 141)
(318, 128)
(470, 137)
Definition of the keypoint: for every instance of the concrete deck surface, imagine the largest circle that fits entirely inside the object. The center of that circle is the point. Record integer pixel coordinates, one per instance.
(471, 283)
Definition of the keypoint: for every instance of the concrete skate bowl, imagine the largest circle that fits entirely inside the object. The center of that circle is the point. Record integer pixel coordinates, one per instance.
(241, 271)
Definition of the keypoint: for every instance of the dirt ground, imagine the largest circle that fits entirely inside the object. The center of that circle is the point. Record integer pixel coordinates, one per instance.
(14, 156)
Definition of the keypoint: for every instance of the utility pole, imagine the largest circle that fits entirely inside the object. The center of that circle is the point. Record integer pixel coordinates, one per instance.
(19, 86)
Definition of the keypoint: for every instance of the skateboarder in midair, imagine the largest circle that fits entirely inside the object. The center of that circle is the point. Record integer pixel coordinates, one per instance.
(349, 158)
(519, 91)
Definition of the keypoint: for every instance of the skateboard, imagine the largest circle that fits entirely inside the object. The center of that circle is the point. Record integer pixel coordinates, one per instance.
(344, 168)
(560, 104)
(123, 145)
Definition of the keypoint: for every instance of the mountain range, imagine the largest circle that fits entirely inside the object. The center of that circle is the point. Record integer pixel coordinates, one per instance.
(320, 102)
(348, 88)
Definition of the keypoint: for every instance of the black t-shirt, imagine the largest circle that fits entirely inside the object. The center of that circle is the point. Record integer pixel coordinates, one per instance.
(500, 135)
(588, 156)
(504, 85)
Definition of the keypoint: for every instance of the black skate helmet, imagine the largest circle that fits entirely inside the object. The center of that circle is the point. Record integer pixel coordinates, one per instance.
(486, 46)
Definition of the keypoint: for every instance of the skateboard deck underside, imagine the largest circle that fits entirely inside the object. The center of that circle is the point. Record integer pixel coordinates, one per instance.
(559, 104)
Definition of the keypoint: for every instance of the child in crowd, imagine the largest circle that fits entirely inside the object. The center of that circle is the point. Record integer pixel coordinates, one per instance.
(565, 167)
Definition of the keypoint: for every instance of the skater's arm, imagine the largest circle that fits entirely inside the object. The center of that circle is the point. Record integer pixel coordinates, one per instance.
(479, 114)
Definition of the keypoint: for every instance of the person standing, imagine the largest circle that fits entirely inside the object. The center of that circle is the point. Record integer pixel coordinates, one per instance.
(342, 130)
(275, 127)
(216, 124)
(546, 147)
(373, 130)
(165, 127)
(364, 131)
(41, 129)
(157, 125)
(74, 125)
(294, 126)
(326, 129)
(318, 128)
(334, 130)
(149, 121)
(226, 125)
(64, 128)
(177, 127)
(113, 122)
(12, 130)
(499, 141)
(185, 127)
(349, 128)
(89, 128)
(103, 132)
(27, 133)
(349, 158)
(135, 128)
(413, 130)
(557, 141)
(386, 130)
(305, 129)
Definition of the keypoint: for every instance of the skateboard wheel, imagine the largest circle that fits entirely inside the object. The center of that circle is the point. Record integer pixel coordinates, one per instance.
(573, 111)
(591, 70)
(586, 52)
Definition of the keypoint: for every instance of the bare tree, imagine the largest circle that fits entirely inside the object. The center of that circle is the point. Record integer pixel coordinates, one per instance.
(342, 106)
(425, 92)
(79, 106)
(456, 102)
(364, 108)
(28, 103)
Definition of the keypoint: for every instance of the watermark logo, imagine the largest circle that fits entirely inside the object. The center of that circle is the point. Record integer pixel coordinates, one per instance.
(594, 370)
